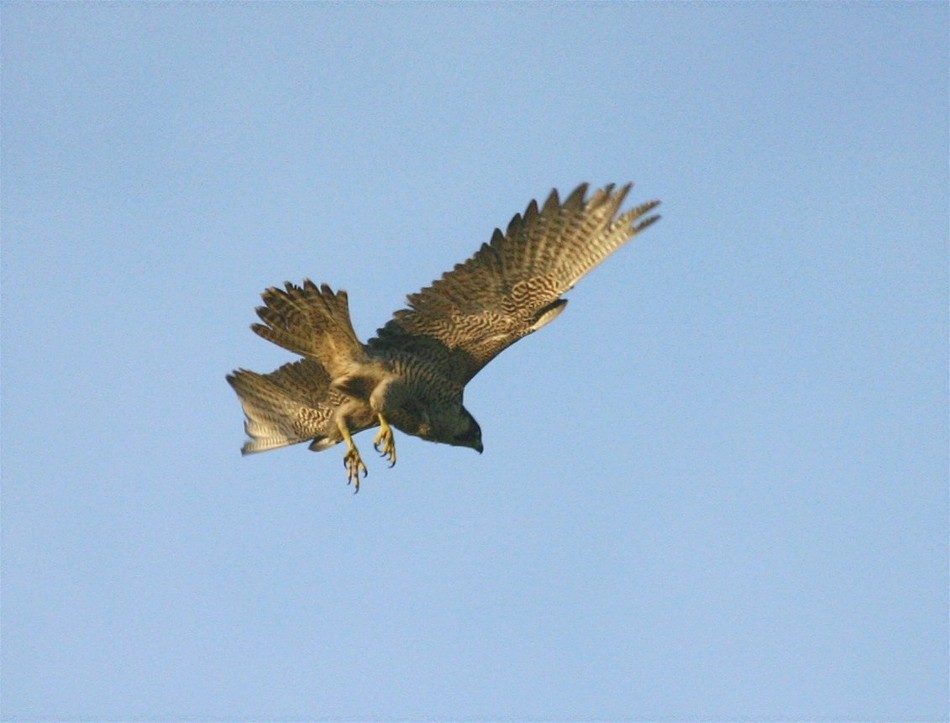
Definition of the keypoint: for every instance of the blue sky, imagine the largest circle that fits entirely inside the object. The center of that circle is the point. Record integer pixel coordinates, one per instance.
(716, 488)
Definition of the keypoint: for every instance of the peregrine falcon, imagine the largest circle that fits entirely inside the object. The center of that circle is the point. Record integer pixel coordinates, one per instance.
(412, 374)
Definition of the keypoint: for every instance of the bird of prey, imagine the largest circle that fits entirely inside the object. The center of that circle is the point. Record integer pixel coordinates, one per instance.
(412, 374)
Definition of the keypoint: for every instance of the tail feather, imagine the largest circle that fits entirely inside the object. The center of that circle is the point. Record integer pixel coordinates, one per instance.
(313, 322)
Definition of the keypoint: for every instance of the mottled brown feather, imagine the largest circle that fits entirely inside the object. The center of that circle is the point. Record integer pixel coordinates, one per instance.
(512, 285)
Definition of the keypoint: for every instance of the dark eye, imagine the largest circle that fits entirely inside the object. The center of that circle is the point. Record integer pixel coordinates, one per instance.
(471, 434)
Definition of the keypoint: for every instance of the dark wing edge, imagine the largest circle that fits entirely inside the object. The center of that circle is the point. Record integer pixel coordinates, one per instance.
(512, 285)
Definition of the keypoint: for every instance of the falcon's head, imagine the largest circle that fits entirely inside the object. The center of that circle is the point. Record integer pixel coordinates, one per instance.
(470, 434)
(444, 422)
(451, 424)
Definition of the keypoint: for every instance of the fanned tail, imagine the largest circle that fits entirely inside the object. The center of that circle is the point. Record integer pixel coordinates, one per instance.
(313, 322)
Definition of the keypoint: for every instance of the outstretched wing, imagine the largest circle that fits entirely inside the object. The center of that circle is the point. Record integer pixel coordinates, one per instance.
(295, 403)
(513, 284)
(287, 406)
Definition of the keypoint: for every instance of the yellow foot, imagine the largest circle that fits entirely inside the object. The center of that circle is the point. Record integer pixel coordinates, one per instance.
(354, 465)
(384, 443)
(351, 460)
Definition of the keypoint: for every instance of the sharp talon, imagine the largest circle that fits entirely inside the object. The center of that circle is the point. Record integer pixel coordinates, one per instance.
(384, 443)
(354, 465)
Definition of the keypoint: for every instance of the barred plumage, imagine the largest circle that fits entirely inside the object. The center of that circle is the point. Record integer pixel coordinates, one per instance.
(413, 372)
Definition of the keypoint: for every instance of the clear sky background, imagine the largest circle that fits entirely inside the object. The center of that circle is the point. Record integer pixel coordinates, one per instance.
(716, 488)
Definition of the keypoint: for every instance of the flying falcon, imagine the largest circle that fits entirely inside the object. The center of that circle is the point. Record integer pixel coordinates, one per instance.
(412, 374)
